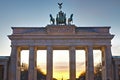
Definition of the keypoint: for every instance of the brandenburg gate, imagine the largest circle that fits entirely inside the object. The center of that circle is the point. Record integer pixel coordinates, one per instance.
(61, 36)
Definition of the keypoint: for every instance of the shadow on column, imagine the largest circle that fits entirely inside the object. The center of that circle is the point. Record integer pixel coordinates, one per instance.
(1, 72)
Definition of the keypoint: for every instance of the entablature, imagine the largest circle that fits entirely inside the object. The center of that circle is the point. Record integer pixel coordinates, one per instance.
(61, 30)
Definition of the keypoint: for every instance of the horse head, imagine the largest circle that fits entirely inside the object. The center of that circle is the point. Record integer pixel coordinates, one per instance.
(51, 15)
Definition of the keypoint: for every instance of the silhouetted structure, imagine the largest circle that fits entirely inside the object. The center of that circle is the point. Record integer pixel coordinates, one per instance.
(60, 37)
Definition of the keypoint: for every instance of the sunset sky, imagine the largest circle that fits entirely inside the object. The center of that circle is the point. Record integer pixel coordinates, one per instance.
(35, 13)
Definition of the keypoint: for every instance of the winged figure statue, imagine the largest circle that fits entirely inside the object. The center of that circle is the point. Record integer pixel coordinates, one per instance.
(60, 5)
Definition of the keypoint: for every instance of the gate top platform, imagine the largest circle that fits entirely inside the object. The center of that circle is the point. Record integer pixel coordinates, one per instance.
(62, 30)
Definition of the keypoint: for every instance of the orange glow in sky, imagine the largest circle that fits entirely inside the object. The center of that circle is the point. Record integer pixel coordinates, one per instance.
(23, 13)
(61, 62)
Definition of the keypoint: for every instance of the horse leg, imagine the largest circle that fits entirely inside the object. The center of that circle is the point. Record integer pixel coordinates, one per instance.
(53, 21)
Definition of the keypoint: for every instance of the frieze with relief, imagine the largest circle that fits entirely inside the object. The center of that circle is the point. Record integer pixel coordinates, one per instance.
(61, 29)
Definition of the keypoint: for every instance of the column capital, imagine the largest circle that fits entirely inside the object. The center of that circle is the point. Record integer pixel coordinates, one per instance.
(71, 46)
(89, 48)
(18, 48)
(106, 46)
(33, 46)
(90, 45)
(49, 47)
(14, 46)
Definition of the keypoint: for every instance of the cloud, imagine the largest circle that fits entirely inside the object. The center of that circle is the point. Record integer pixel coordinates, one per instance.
(58, 66)
(63, 66)
(80, 63)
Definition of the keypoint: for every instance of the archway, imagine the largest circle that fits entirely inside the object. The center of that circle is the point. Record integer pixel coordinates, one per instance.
(80, 64)
(61, 64)
(41, 64)
(97, 56)
(24, 62)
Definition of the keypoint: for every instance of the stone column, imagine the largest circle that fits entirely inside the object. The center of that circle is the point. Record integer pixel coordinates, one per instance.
(15, 63)
(89, 63)
(106, 63)
(72, 63)
(116, 72)
(5, 71)
(49, 63)
(103, 63)
(32, 71)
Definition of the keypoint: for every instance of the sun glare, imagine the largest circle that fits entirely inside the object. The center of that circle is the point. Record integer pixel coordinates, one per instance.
(25, 56)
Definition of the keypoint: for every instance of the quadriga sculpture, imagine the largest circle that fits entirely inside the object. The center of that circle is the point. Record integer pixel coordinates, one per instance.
(61, 18)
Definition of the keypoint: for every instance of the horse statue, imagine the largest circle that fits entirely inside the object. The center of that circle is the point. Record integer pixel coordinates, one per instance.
(61, 18)
(70, 19)
(52, 19)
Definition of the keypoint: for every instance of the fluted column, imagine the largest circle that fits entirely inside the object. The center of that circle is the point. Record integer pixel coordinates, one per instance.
(32, 71)
(89, 63)
(49, 63)
(107, 63)
(15, 63)
(72, 63)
